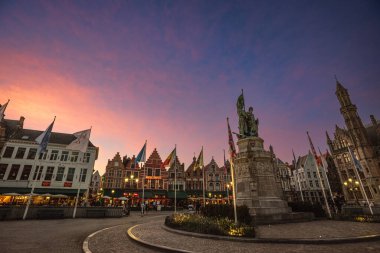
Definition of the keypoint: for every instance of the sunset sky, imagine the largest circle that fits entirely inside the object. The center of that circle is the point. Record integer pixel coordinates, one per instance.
(170, 72)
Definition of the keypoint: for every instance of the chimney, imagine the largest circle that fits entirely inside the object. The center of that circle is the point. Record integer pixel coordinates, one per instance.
(21, 122)
(373, 120)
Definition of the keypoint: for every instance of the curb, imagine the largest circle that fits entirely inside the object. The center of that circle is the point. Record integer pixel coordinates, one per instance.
(336, 240)
(151, 245)
(85, 247)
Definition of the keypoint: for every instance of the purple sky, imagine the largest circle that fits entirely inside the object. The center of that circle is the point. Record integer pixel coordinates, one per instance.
(171, 71)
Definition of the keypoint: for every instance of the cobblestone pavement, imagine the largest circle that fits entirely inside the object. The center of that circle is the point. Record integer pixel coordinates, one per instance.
(116, 239)
(63, 235)
(153, 233)
(318, 229)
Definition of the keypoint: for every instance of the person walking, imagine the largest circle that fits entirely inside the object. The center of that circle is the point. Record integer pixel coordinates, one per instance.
(142, 209)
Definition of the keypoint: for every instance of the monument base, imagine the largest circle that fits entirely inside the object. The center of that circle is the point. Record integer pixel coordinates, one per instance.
(257, 186)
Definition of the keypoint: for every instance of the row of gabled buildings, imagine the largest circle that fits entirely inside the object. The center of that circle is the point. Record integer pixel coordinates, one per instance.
(124, 177)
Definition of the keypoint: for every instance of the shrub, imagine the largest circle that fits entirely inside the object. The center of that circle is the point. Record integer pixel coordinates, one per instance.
(207, 225)
(227, 211)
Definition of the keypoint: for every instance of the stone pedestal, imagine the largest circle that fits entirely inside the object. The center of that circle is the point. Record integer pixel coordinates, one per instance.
(256, 183)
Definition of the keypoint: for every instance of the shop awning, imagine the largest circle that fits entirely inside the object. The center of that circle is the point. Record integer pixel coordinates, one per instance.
(180, 195)
(53, 191)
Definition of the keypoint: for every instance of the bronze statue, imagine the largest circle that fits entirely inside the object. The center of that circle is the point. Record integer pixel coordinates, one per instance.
(248, 125)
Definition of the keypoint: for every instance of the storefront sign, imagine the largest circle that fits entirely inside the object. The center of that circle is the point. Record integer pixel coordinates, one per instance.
(67, 184)
(45, 183)
(153, 177)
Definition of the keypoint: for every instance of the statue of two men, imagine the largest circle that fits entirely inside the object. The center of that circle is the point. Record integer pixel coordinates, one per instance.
(248, 125)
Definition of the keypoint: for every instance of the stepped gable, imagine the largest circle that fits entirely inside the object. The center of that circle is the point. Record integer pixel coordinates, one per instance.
(154, 160)
(130, 163)
(116, 158)
(191, 166)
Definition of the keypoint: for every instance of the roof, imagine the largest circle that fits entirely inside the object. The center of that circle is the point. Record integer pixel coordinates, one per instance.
(191, 166)
(31, 135)
(10, 126)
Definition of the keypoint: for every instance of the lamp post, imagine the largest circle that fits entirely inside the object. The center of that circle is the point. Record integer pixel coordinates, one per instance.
(353, 186)
(228, 194)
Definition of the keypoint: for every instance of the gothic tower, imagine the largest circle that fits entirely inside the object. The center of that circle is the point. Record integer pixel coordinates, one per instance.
(362, 140)
(353, 122)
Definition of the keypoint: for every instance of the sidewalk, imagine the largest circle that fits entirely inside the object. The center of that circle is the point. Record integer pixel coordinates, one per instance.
(156, 236)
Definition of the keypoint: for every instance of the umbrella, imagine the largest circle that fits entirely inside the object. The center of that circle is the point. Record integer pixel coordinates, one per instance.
(11, 194)
(59, 196)
(123, 198)
(106, 197)
(31, 194)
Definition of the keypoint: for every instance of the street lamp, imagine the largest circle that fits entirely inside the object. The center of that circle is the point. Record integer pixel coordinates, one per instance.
(353, 186)
(126, 180)
(228, 194)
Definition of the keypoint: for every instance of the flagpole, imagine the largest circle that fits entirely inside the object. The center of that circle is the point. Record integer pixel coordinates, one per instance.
(323, 188)
(225, 166)
(328, 182)
(143, 180)
(175, 179)
(314, 153)
(76, 200)
(360, 180)
(42, 141)
(232, 154)
(233, 188)
(204, 183)
(33, 186)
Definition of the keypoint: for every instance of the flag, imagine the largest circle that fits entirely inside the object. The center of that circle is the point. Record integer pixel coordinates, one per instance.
(2, 110)
(170, 159)
(231, 141)
(43, 139)
(199, 162)
(357, 164)
(81, 141)
(141, 157)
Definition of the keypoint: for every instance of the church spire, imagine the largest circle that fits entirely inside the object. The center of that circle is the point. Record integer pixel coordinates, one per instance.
(328, 137)
(339, 86)
(349, 112)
